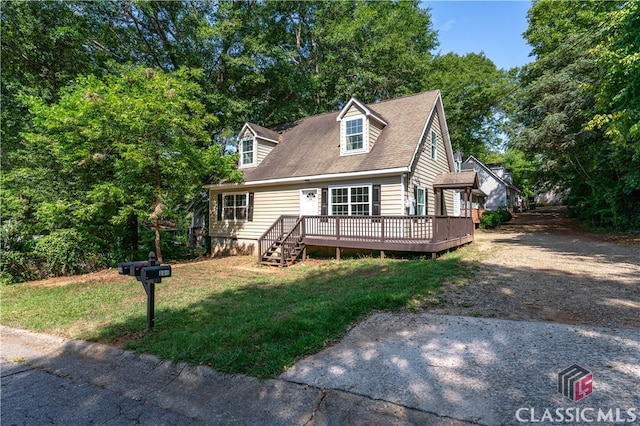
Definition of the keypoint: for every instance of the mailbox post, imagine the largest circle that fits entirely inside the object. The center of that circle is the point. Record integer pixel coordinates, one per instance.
(148, 272)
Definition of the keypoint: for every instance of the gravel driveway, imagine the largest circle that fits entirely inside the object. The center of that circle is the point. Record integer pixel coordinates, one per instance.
(542, 267)
(544, 296)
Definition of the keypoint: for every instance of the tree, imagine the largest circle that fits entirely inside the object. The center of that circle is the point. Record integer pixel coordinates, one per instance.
(473, 92)
(568, 104)
(135, 144)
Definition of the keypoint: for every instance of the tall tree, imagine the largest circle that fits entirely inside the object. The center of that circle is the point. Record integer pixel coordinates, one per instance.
(473, 92)
(563, 93)
(132, 144)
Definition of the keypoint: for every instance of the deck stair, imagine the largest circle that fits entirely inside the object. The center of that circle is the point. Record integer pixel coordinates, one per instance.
(281, 245)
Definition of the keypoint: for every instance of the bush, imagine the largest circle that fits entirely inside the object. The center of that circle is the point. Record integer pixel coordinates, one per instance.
(16, 260)
(68, 252)
(492, 219)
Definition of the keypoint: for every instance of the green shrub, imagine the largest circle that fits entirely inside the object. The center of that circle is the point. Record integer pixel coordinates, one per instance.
(492, 219)
(505, 216)
(67, 252)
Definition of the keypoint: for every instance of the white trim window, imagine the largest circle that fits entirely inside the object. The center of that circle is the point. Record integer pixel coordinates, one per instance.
(350, 201)
(247, 148)
(354, 135)
(234, 206)
(434, 145)
(421, 202)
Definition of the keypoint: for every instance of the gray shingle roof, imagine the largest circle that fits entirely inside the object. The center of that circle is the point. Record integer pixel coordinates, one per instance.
(311, 146)
(263, 132)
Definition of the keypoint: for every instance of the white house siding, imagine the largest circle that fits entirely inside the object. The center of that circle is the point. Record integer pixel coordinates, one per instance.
(273, 201)
(426, 169)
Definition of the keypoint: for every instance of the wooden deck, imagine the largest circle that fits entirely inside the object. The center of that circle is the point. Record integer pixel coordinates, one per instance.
(288, 236)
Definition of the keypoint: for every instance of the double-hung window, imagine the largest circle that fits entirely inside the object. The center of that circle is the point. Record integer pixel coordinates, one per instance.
(354, 135)
(351, 201)
(234, 206)
(247, 154)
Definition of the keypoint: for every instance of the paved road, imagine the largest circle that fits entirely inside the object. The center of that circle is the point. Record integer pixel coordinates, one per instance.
(391, 369)
(50, 380)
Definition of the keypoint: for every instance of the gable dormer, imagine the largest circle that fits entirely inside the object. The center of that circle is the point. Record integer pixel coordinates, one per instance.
(254, 143)
(360, 127)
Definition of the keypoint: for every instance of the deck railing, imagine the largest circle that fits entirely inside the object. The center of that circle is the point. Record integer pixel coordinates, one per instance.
(377, 228)
(452, 227)
(289, 231)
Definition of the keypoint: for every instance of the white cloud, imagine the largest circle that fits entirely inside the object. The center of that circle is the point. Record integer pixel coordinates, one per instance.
(447, 25)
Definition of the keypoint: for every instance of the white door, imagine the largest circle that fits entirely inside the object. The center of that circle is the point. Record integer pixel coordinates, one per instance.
(308, 202)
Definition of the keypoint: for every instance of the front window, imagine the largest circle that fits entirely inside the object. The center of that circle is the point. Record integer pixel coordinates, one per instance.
(351, 201)
(246, 151)
(421, 202)
(234, 206)
(354, 135)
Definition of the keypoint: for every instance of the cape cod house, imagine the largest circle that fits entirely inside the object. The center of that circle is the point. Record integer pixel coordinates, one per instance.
(379, 177)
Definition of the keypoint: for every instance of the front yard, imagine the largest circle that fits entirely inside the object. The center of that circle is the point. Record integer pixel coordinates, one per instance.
(229, 313)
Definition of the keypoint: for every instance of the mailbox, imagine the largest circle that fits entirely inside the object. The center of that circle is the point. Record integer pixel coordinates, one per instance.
(133, 269)
(148, 272)
(156, 272)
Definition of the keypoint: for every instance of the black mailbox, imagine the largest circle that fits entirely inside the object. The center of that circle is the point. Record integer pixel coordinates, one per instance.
(132, 268)
(148, 272)
(156, 272)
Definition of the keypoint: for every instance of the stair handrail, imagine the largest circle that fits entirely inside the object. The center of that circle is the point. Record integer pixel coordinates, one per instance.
(266, 235)
(285, 240)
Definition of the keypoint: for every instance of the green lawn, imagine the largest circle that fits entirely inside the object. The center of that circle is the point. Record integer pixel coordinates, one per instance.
(229, 313)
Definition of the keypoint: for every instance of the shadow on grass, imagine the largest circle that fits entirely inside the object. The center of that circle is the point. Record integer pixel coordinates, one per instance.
(261, 326)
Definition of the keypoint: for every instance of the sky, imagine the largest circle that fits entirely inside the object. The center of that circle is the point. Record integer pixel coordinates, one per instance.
(492, 27)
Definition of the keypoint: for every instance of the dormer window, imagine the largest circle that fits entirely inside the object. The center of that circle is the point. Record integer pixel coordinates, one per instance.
(354, 134)
(360, 127)
(247, 152)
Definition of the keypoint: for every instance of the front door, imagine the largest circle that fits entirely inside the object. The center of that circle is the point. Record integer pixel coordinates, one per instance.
(308, 202)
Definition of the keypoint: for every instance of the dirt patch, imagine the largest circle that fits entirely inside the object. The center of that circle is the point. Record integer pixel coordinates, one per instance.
(544, 267)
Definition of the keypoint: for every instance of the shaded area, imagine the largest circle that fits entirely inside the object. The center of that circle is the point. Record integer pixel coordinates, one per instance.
(49, 380)
(261, 326)
(543, 267)
(479, 370)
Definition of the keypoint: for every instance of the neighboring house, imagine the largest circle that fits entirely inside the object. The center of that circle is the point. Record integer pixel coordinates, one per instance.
(378, 176)
(496, 182)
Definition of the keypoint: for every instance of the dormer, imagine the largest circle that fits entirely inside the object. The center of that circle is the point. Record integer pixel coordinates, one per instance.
(254, 143)
(360, 127)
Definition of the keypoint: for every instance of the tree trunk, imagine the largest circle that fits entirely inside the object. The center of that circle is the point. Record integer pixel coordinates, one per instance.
(157, 211)
(158, 245)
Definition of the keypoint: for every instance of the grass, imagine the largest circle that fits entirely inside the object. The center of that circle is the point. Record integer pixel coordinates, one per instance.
(231, 314)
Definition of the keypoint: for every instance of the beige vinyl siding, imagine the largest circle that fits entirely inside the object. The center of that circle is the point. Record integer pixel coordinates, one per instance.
(426, 169)
(264, 148)
(375, 129)
(271, 202)
(353, 111)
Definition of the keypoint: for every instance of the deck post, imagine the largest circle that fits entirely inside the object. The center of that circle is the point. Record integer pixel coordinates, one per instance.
(338, 253)
(381, 254)
(304, 253)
